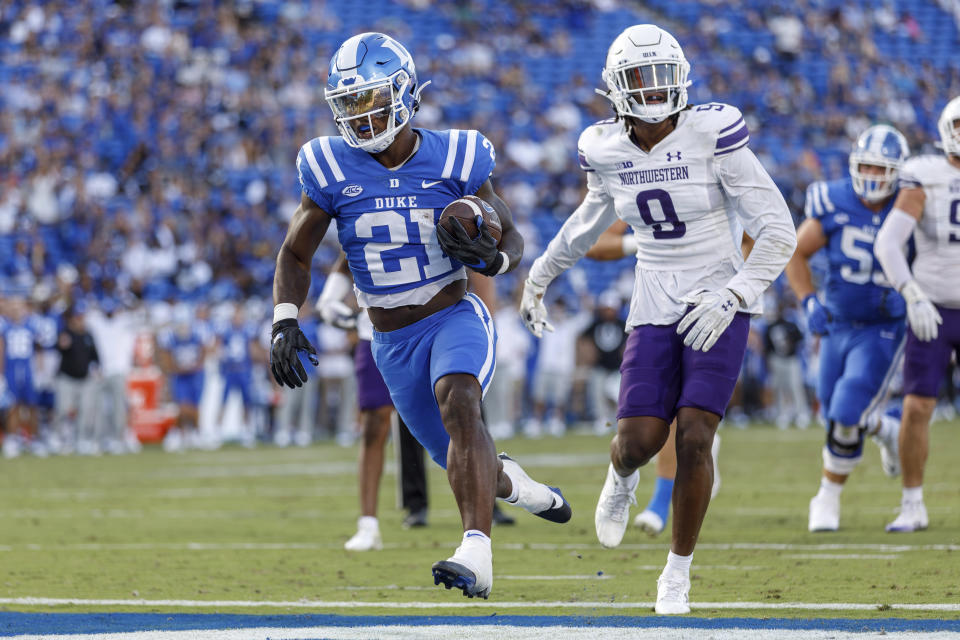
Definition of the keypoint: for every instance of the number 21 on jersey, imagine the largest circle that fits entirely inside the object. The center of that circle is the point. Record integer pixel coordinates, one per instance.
(400, 249)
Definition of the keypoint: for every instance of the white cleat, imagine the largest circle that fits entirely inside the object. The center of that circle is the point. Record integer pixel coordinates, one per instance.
(535, 497)
(673, 594)
(889, 451)
(649, 522)
(469, 569)
(715, 454)
(824, 513)
(367, 537)
(613, 508)
(913, 517)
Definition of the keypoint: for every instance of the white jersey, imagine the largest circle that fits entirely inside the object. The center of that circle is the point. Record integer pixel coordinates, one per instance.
(689, 200)
(937, 265)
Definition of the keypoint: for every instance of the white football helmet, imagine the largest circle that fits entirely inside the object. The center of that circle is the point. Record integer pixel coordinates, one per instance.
(645, 60)
(949, 129)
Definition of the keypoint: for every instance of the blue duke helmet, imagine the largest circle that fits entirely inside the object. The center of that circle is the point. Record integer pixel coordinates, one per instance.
(881, 146)
(642, 63)
(372, 81)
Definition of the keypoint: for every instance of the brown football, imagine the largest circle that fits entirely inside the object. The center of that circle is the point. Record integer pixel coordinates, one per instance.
(466, 210)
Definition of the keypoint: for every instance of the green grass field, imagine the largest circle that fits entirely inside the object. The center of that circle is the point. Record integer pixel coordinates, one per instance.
(268, 525)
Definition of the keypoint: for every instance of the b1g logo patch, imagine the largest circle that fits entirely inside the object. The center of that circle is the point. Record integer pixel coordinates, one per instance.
(352, 190)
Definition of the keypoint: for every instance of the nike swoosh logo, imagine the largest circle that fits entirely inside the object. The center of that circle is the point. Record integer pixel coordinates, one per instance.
(474, 535)
(426, 185)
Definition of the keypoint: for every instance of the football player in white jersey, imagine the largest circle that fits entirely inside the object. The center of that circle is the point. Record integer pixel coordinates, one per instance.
(928, 207)
(685, 180)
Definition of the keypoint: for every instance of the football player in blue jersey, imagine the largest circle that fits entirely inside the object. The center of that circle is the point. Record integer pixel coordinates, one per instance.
(860, 318)
(386, 183)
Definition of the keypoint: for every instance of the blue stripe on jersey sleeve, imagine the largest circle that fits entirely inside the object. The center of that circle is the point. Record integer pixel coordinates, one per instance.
(311, 174)
(476, 159)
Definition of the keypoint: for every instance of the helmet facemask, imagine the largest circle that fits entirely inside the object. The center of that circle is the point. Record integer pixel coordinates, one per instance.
(873, 186)
(360, 110)
(650, 91)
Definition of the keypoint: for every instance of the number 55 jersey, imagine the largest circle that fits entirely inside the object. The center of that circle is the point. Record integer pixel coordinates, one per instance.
(688, 199)
(855, 289)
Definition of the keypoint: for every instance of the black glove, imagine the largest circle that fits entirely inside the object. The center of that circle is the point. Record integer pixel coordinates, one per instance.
(480, 253)
(286, 341)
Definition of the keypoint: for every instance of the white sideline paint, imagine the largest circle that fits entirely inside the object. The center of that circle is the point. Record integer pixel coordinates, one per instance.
(281, 546)
(842, 556)
(484, 632)
(353, 604)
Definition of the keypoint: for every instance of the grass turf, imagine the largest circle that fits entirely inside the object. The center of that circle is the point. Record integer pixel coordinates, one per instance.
(269, 524)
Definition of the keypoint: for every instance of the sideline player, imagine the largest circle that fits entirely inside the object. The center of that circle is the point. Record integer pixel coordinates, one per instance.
(860, 317)
(613, 244)
(386, 183)
(928, 207)
(686, 182)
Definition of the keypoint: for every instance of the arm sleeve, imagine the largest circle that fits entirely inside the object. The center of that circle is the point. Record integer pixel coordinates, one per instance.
(888, 247)
(766, 219)
(577, 234)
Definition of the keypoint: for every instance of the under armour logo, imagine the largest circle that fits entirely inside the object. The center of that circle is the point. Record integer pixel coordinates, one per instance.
(670, 156)
(727, 306)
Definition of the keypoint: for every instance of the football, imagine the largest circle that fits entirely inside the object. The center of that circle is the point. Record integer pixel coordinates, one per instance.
(466, 209)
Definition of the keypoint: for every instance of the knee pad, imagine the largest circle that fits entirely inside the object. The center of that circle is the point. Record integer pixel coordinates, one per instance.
(844, 448)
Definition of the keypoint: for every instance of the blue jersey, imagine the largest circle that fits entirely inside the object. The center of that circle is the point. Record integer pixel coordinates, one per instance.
(386, 219)
(186, 350)
(855, 289)
(18, 341)
(46, 327)
(235, 354)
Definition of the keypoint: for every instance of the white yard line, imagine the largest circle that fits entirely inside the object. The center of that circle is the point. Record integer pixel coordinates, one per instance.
(468, 604)
(486, 632)
(535, 546)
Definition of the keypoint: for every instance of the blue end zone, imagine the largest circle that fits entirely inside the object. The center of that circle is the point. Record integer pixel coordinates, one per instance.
(13, 623)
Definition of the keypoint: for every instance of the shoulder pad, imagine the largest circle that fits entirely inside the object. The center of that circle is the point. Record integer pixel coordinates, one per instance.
(724, 123)
(594, 137)
(321, 162)
(818, 202)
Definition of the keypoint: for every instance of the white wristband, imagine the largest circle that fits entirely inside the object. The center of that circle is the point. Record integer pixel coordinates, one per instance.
(629, 244)
(505, 265)
(285, 311)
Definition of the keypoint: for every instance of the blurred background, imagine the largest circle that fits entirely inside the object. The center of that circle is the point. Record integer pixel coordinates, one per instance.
(147, 176)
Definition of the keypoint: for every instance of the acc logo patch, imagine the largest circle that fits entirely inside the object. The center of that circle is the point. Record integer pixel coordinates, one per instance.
(352, 190)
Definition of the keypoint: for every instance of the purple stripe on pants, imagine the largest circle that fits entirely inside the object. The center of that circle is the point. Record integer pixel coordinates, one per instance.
(372, 391)
(659, 375)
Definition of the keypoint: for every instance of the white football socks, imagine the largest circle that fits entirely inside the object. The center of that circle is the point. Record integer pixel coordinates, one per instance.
(678, 563)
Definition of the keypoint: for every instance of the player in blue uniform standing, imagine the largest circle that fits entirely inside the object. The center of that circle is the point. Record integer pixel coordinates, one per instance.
(386, 184)
(17, 348)
(182, 353)
(861, 317)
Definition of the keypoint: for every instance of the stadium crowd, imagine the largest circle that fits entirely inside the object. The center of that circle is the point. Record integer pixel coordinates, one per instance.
(148, 153)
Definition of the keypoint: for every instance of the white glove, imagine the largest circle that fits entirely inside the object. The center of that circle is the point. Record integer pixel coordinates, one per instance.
(532, 311)
(921, 314)
(331, 307)
(710, 317)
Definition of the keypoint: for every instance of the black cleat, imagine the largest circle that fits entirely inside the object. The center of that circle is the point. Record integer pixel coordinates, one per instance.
(415, 519)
